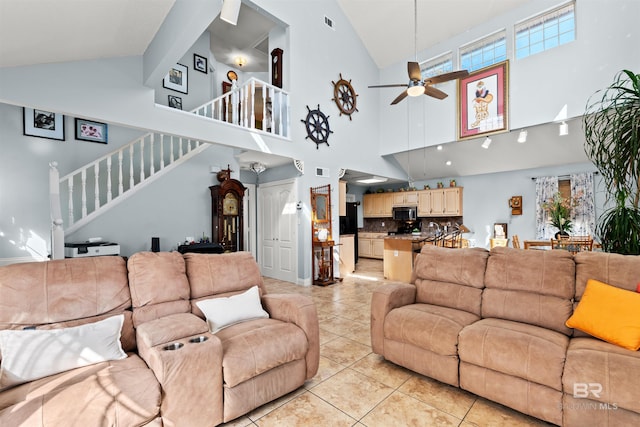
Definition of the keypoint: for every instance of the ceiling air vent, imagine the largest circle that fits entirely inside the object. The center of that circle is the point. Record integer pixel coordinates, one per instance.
(329, 22)
(324, 172)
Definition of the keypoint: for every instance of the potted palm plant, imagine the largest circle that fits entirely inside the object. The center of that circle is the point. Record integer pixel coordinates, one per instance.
(612, 142)
(558, 209)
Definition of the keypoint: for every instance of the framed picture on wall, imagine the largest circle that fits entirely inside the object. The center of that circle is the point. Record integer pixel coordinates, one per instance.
(175, 102)
(483, 98)
(199, 63)
(43, 124)
(87, 130)
(177, 79)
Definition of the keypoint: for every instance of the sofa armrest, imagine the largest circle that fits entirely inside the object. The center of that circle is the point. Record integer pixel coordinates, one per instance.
(187, 361)
(384, 299)
(300, 310)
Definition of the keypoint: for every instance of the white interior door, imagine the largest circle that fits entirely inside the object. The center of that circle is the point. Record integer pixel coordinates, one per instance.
(277, 229)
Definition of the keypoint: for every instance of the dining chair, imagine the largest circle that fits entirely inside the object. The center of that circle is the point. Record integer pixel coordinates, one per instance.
(515, 241)
(573, 244)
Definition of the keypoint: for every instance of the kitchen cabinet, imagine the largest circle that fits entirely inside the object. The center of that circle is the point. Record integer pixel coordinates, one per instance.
(377, 205)
(440, 202)
(371, 245)
(431, 203)
(404, 198)
(342, 198)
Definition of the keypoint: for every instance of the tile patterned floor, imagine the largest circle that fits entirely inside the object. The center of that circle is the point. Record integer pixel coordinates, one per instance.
(355, 387)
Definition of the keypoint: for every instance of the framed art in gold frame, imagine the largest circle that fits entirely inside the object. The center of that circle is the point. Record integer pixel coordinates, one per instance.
(483, 100)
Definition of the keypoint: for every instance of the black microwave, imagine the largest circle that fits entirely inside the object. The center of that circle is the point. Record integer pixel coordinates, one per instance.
(405, 213)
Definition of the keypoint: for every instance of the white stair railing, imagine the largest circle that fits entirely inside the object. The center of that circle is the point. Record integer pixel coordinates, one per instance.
(88, 191)
(255, 105)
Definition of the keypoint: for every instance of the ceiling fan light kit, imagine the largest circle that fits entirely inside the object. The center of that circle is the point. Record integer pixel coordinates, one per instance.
(417, 85)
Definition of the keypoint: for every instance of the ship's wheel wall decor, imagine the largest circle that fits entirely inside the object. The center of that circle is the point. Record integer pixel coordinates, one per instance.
(344, 95)
(317, 125)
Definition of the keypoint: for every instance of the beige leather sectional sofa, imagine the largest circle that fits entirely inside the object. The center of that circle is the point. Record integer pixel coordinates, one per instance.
(493, 323)
(175, 373)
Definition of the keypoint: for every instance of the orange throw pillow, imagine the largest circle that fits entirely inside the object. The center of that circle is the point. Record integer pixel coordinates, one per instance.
(609, 313)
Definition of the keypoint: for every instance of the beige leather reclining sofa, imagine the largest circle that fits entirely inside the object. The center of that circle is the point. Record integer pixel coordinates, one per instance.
(493, 323)
(175, 372)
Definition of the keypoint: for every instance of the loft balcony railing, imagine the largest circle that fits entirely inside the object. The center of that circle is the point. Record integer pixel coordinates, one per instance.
(255, 105)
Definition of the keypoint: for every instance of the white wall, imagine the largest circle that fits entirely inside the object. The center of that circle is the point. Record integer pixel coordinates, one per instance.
(314, 57)
(176, 206)
(606, 42)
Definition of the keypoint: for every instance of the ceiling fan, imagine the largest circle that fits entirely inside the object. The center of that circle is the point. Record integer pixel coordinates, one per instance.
(417, 85)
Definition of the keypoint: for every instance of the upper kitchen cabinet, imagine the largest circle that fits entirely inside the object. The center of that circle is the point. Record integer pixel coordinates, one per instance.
(440, 202)
(342, 198)
(405, 198)
(377, 205)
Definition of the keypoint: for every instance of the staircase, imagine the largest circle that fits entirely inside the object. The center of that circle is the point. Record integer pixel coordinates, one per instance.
(82, 195)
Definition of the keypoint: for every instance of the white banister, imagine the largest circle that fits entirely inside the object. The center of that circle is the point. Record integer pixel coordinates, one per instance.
(84, 192)
(152, 155)
(142, 159)
(57, 232)
(234, 108)
(96, 186)
(109, 194)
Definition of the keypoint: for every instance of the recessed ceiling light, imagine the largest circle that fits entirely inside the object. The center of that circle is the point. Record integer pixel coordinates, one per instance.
(372, 180)
(448, 163)
(439, 147)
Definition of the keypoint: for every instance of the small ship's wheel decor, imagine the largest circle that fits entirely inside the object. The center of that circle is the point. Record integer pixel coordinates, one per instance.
(344, 96)
(317, 124)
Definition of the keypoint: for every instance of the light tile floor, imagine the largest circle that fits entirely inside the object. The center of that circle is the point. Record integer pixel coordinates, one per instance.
(355, 387)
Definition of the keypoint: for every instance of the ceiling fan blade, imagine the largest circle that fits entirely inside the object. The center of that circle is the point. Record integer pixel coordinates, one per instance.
(400, 97)
(454, 75)
(436, 93)
(396, 85)
(414, 71)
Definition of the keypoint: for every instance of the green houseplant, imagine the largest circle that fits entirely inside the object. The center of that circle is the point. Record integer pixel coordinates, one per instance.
(558, 209)
(612, 141)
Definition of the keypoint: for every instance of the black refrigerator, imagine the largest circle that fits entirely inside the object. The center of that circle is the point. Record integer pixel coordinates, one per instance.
(349, 225)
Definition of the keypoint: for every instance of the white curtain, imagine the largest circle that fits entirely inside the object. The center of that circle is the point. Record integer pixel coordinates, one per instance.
(583, 215)
(546, 188)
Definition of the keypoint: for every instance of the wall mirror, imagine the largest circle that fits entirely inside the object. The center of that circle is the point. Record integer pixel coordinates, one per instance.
(320, 207)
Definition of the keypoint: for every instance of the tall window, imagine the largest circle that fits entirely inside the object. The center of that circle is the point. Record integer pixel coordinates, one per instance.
(546, 31)
(436, 66)
(484, 52)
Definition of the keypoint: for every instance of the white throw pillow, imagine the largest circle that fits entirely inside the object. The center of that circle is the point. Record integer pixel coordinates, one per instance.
(31, 354)
(226, 311)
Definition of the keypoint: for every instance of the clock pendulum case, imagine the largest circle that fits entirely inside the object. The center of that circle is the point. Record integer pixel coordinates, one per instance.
(226, 212)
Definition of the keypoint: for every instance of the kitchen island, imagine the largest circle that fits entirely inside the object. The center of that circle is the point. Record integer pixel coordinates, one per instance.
(399, 252)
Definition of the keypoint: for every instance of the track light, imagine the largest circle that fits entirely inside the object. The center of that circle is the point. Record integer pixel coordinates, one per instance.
(564, 129)
(522, 136)
(230, 11)
(486, 143)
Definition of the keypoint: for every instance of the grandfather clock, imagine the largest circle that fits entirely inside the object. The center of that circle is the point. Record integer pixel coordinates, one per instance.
(226, 212)
(276, 67)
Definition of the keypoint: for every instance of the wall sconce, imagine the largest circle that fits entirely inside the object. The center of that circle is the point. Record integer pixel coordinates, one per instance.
(564, 129)
(230, 11)
(240, 61)
(522, 136)
(486, 143)
(257, 167)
